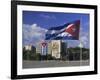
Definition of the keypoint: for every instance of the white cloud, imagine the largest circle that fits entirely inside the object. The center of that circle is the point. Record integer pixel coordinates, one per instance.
(32, 34)
(84, 37)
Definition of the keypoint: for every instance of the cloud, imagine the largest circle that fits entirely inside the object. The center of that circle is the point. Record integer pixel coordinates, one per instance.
(33, 34)
(85, 39)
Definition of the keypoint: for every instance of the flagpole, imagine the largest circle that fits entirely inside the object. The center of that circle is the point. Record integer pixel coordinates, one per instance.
(68, 53)
(80, 52)
(80, 45)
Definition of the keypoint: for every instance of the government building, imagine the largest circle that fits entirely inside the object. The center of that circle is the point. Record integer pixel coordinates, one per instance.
(57, 49)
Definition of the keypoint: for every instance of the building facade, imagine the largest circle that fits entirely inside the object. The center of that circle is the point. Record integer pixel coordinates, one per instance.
(28, 47)
(49, 48)
(38, 48)
(56, 48)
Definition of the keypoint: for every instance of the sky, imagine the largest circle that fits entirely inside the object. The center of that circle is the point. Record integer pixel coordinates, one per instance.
(35, 25)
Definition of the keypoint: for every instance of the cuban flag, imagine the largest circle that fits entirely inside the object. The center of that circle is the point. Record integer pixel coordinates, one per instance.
(69, 31)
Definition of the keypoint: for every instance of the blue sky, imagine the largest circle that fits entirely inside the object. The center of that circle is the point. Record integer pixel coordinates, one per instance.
(36, 23)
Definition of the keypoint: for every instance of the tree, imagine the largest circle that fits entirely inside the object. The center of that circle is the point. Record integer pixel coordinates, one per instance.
(49, 57)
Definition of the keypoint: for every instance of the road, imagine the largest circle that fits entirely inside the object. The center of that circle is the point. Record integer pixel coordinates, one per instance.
(53, 63)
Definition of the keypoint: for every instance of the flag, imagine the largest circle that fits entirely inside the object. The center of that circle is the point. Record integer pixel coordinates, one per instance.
(69, 31)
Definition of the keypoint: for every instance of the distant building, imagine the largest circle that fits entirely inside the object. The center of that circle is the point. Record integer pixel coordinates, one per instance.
(63, 49)
(44, 48)
(78, 54)
(56, 48)
(41, 48)
(38, 48)
(28, 47)
(49, 48)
